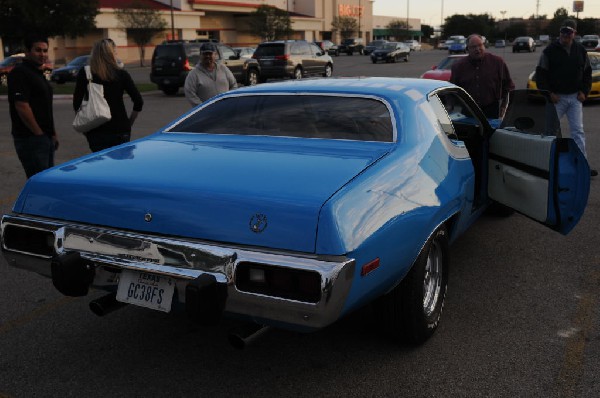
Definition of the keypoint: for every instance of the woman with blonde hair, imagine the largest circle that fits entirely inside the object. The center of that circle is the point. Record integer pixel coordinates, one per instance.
(116, 82)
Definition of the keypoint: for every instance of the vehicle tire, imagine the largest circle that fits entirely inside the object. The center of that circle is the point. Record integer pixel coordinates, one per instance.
(337, 53)
(328, 70)
(350, 53)
(412, 310)
(406, 57)
(170, 90)
(361, 52)
(373, 60)
(252, 78)
(298, 73)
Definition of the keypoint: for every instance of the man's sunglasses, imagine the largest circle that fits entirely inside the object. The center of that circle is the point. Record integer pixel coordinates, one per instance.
(566, 31)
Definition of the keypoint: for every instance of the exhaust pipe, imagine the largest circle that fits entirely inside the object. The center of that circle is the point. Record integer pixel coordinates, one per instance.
(106, 304)
(247, 335)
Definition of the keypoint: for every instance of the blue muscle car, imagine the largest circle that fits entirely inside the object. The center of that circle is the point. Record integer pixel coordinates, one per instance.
(292, 204)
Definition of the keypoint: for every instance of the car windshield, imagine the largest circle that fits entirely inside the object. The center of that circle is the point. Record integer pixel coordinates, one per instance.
(292, 115)
(447, 63)
(270, 50)
(389, 46)
(79, 61)
(377, 43)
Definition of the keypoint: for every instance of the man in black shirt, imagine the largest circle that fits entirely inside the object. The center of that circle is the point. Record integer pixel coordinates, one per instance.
(30, 102)
(564, 69)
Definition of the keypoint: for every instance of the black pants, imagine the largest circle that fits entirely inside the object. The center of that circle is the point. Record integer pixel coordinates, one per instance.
(99, 141)
(492, 111)
(36, 153)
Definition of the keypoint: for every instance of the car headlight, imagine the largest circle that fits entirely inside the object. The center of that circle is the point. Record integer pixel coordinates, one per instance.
(74, 72)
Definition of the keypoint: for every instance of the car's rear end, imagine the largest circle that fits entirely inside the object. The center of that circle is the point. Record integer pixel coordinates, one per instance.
(274, 60)
(171, 63)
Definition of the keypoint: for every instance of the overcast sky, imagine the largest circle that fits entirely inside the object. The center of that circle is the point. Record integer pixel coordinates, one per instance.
(430, 11)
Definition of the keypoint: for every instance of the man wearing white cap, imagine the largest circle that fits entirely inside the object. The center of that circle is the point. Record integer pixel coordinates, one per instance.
(564, 69)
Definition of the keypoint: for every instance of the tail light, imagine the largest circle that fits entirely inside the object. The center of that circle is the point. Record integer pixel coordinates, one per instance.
(186, 65)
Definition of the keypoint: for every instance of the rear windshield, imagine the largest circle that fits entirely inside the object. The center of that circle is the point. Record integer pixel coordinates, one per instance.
(269, 50)
(307, 116)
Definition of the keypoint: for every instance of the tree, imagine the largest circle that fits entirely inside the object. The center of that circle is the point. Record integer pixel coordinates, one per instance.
(20, 18)
(465, 25)
(398, 28)
(142, 24)
(346, 26)
(427, 31)
(270, 23)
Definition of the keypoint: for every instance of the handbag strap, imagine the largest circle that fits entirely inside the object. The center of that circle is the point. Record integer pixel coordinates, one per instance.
(88, 72)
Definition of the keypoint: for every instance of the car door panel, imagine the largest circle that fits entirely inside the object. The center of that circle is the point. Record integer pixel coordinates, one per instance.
(546, 178)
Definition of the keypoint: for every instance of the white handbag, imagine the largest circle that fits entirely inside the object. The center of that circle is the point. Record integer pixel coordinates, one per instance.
(95, 111)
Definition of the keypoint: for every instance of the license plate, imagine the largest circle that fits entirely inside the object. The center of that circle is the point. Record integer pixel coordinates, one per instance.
(146, 290)
(267, 63)
(166, 81)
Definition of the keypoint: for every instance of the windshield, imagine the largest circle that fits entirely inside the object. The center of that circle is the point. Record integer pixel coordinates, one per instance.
(292, 115)
(389, 46)
(79, 61)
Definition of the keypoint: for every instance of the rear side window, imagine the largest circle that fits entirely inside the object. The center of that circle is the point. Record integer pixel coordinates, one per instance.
(269, 50)
(306, 116)
(168, 52)
(300, 48)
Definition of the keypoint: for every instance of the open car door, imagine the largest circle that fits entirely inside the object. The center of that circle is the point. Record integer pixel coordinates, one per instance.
(533, 169)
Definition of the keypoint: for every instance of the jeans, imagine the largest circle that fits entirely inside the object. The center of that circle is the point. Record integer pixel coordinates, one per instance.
(36, 153)
(569, 105)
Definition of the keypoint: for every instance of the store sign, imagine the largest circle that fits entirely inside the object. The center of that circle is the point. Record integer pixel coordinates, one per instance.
(578, 6)
(349, 10)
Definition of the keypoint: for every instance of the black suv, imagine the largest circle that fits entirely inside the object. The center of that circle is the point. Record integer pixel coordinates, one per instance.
(351, 46)
(292, 58)
(172, 61)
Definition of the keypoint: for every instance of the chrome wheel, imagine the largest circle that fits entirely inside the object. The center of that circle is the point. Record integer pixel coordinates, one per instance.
(328, 71)
(298, 73)
(432, 279)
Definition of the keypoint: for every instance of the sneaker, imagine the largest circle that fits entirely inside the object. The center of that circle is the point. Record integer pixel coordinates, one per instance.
(593, 173)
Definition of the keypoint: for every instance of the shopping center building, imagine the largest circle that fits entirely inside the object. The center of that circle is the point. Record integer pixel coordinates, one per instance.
(227, 21)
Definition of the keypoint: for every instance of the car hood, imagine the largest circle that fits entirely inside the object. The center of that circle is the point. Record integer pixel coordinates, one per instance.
(260, 191)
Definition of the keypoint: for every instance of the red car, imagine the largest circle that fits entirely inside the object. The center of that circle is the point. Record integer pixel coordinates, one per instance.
(442, 71)
(9, 63)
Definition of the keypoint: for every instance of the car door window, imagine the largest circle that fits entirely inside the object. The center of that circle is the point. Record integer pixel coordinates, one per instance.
(227, 52)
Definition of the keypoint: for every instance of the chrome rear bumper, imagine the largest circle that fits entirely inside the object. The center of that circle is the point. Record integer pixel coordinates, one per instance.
(32, 243)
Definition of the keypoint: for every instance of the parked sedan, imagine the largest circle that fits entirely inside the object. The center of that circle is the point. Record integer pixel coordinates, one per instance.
(294, 203)
(595, 90)
(524, 43)
(391, 52)
(68, 73)
(458, 46)
(414, 45)
(373, 45)
(443, 70)
(328, 47)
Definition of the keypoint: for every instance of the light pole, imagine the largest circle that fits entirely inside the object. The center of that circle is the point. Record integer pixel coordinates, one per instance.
(407, 25)
(172, 23)
(359, 16)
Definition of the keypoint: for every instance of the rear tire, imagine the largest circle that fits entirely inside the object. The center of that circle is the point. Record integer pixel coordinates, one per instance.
(412, 310)
(252, 78)
(298, 73)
